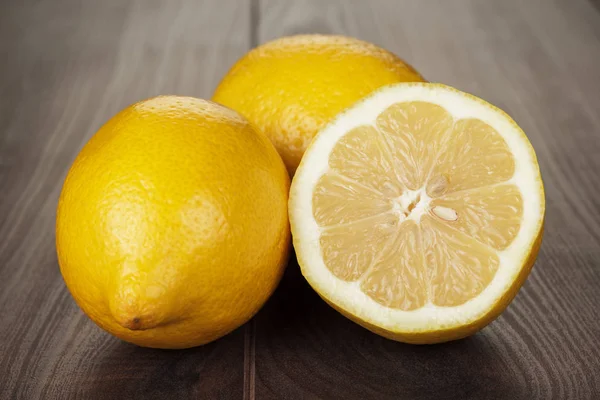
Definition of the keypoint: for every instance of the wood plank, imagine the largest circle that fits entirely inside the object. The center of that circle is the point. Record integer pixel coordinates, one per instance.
(71, 65)
(538, 60)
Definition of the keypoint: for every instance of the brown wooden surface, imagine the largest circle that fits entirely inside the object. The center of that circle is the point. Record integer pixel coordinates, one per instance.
(69, 65)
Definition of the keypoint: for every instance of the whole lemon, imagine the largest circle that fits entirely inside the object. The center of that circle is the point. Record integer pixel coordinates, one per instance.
(292, 87)
(172, 225)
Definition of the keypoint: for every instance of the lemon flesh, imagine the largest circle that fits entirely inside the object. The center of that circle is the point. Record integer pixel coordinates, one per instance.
(418, 212)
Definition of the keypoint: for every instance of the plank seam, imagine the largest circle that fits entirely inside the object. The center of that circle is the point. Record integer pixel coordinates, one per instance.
(249, 360)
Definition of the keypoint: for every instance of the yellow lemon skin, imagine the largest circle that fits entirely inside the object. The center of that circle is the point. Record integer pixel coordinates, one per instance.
(172, 225)
(292, 87)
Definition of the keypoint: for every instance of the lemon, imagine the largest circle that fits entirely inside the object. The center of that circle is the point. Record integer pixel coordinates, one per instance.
(418, 213)
(291, 87)
(172, 224)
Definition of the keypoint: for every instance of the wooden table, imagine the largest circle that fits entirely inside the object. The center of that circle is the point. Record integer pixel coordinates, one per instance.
(69, 65)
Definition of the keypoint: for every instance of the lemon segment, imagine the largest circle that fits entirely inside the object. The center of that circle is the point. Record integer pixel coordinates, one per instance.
(418, 212)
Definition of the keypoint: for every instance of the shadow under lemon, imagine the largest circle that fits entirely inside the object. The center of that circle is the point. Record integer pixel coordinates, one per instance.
(300, 339)
(125, 370)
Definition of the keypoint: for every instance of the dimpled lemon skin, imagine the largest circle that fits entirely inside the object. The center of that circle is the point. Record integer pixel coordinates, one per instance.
(172, 225)
(292, 87)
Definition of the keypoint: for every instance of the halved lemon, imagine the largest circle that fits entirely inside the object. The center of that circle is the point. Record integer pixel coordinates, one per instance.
(418, 212)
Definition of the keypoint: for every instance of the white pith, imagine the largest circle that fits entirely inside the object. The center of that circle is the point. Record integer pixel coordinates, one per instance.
(348, 295)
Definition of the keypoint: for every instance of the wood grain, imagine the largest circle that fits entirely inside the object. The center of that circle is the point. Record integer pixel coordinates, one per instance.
(540, 61)
(71, 65)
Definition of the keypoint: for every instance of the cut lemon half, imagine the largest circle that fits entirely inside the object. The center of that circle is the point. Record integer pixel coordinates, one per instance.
(418, 212)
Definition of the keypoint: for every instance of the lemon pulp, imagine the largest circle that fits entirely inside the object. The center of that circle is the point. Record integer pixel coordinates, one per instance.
(416, 206)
